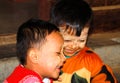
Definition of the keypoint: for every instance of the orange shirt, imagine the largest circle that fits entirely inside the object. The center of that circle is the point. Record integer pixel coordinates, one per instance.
(86, 67)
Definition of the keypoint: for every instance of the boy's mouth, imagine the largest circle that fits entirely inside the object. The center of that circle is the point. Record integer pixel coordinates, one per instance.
(59, 68)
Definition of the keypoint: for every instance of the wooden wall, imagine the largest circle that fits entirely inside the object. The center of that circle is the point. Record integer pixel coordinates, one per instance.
(97, 3)
(106, 15)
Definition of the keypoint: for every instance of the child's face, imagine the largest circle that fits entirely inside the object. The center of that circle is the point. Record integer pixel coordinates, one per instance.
(51, 57)
(72, 43)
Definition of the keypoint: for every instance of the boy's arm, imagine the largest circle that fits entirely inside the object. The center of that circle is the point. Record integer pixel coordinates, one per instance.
(104, 76)
(100, 72)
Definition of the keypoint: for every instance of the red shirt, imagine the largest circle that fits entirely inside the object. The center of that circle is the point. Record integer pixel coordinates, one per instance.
(23, 75)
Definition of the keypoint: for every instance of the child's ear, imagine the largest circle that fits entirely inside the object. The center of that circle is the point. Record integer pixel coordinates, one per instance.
(33, 55)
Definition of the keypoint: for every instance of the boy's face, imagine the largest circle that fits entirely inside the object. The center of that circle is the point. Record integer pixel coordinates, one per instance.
(50, 56)
(72, 43)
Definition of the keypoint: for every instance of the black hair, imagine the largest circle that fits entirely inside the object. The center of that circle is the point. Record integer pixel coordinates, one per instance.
(73, 13)
(31, 33)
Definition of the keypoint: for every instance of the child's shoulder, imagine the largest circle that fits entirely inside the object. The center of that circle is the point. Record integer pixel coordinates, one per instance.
(88, 54)
(87, 51)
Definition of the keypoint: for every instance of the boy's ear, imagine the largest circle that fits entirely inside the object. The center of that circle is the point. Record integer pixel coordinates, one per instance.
(33, 55)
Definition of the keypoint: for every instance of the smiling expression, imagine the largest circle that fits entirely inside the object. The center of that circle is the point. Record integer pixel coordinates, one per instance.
(50, 57)
(72, 43)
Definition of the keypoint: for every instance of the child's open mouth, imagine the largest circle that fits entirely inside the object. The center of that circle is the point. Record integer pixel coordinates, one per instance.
(71, 51)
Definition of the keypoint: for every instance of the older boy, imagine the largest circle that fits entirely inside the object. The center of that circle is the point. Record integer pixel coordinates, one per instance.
(74, 18)
(39, 45)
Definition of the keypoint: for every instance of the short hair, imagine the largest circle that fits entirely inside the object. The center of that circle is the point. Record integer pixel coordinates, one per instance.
(30, 34)
(73, 13)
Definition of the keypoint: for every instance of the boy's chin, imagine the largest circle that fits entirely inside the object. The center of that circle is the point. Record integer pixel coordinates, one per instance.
(55, 77)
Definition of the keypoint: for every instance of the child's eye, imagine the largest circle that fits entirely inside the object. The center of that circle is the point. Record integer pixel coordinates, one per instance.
(82, 40)
(67, 40)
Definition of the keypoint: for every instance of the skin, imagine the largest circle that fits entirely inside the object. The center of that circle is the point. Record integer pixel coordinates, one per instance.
(72, 43)
(48, 60)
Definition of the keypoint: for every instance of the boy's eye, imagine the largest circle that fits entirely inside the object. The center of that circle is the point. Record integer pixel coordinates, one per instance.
(58, 53)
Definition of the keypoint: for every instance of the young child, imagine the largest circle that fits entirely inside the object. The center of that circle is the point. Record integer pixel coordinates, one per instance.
(39, 45)
(74, 18)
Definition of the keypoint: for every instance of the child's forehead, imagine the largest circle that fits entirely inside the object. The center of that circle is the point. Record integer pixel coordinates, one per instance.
(67, 29)
(67, 26)
(67, 36)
